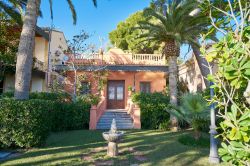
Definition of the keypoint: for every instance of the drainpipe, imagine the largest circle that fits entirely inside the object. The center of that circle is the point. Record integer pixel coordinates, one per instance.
(134, 83)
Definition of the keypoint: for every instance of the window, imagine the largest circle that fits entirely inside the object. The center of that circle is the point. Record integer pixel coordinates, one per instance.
(85, 88)
(119, 93)
(145, 87)
(111, 93)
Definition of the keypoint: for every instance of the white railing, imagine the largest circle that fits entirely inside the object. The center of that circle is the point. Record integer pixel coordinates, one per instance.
(150, 59)
(87, 56)
(129, 59)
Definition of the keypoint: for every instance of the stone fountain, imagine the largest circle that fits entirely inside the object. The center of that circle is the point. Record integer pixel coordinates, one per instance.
(113, 137)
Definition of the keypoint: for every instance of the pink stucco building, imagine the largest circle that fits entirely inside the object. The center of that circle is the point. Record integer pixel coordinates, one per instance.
(140, 72)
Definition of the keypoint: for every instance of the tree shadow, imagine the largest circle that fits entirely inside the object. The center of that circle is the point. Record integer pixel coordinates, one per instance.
(162, 146)
(156, 147)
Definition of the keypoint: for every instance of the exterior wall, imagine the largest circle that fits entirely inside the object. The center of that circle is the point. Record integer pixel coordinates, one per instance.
(190, 74)
(37, 83)
(116, 56)
(9, 83)
(40, 49)
(58, 44)
(157, 80)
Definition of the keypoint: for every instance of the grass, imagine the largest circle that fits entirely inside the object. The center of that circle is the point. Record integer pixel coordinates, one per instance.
(77, 148)
(202, 142)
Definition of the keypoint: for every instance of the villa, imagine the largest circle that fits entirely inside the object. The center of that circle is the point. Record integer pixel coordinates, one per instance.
(125, 72)
(57, 45)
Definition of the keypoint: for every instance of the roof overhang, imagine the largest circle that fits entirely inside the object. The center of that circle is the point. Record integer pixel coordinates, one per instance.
(42, 33)
(128, 68)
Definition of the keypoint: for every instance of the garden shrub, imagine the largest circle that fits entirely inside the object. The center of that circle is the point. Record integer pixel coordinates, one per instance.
(70, 116)
(61, 97)
(42, 95)
(153, 105)
(193, 110)
(231, 87)
(9, 94)
(24, 123)
(28, 123)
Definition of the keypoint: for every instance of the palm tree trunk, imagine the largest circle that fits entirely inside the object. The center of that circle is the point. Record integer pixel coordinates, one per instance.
(25, 51)
(202, 63)
(173, 74)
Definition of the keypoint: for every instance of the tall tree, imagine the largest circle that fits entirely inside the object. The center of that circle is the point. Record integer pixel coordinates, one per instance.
(27, 41)
(126, 37)
(13, 9)
(173, 27)
(161, 6)
(9, 39)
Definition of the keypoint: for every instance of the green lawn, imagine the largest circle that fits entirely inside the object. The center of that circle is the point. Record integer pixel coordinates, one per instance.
(84, 147)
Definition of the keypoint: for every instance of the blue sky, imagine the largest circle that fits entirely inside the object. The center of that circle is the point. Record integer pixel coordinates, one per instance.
(97, 21)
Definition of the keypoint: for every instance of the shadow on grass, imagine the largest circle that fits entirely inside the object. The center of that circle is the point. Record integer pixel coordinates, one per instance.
(67, 148)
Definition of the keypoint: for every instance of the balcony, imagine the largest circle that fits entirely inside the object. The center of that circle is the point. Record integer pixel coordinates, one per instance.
(39, 65)
(112, 58)
(149, 59)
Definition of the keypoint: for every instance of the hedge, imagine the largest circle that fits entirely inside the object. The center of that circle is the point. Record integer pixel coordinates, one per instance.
(153, 105)
(24, 123)
(28, 123)
(42, 95)
(70, 116)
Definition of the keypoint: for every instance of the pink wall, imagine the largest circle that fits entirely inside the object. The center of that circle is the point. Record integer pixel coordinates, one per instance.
(157, 80)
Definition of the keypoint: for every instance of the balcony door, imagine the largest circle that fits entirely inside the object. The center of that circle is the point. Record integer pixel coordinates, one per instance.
(116, 95)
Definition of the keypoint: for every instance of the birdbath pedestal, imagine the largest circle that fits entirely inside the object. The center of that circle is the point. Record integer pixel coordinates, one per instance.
(113, 137)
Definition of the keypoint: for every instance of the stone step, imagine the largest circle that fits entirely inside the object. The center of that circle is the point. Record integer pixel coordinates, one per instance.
(116, 115)
(117, 120)
(109, 125)
(122, 124)
(118, 127)
(123, 120)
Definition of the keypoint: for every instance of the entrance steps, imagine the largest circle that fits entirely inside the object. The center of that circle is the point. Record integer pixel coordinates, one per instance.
(123, 120)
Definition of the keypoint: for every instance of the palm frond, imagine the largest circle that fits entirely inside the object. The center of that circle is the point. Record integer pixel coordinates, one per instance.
(95, 2)
(73, 11)
(176, 24)
(51, 8)
(11, 11)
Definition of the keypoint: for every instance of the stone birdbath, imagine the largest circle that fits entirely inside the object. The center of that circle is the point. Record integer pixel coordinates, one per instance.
(113, 137)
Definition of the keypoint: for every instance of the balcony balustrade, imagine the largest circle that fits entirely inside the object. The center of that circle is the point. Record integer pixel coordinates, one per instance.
(119, 59)
(39, 65)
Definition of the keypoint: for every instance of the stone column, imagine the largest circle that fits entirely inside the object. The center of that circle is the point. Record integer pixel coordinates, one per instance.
(112, 149)
(137, 117)
(92, 120)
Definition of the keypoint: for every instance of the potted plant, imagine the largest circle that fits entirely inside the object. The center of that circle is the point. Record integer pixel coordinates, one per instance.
(130, 90)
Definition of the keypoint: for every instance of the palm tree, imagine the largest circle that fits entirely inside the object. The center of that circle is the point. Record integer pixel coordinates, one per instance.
(10, 9)
(174, 27)
(27, 41)
(160, 5)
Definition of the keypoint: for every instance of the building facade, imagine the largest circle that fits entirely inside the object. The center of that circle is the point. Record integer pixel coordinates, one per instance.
(57, 45)
(123, 73)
